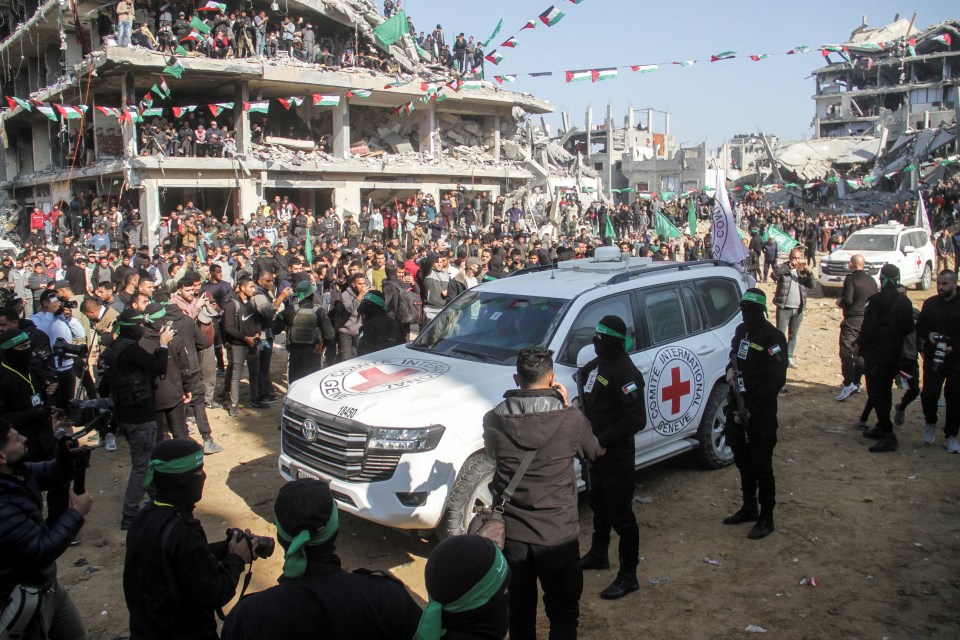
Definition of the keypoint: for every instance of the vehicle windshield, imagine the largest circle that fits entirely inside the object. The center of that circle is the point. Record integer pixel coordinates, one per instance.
(870, 242)
(492, 327)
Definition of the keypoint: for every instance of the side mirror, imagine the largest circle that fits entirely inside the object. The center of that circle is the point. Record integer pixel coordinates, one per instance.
(586, 354)
(909, 249)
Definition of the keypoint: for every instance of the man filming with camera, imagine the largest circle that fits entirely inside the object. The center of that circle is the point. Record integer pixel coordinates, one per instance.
(938, 328)
(32, 603)
(173, 579)
(56, 320)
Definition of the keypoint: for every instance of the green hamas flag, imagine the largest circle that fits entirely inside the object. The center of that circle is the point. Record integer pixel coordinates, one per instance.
(665, 228)
(393, 29)
(493, 35)
(692, 216)
(200, 26)
(608, 231)
(308, 248)
(784, 242)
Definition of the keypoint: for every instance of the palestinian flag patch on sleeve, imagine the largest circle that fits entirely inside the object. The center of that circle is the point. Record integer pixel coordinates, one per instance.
(629, 388)
(774, 350)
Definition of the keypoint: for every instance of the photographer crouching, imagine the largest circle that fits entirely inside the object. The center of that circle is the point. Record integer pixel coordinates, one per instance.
(173, 579)
(32, 603)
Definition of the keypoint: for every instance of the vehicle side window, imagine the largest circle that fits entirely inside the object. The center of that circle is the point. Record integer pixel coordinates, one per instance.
(583, 329)
(905, 239)
(664, 314)
(919, 239)
(721, 300)
(692, 310)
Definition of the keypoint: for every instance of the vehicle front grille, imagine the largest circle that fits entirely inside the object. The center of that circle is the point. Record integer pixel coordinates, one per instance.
(834, 269)
(339, 450)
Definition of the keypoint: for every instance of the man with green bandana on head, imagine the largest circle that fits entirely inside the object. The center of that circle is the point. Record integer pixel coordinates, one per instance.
(173, 579)
(315, 595)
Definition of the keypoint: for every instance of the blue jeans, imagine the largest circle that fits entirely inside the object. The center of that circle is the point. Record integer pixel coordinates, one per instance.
(123, 33)
(789, 320)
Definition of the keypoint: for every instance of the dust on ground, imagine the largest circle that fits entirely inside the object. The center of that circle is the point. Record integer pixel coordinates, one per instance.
(879, 532)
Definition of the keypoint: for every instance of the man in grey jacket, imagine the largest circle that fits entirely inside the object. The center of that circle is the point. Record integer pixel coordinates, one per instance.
(793, 278)
(542, 522)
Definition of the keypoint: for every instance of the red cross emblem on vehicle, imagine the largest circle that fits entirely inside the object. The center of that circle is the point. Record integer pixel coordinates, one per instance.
(675, 391)
(375, 377)
(919, 261)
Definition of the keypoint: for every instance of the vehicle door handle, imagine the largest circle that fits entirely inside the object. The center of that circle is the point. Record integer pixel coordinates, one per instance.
(705, 350)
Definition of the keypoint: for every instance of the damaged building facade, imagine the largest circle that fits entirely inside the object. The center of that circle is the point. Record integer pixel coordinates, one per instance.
(364, 148)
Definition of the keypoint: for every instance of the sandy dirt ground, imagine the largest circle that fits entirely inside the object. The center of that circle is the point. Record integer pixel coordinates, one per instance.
(879, 532)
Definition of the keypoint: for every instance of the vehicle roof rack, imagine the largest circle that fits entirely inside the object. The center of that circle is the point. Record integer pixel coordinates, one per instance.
(626, 276)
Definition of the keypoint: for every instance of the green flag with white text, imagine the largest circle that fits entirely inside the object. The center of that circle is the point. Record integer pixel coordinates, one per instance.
(784, 241)
(665, 228)
(393, 29)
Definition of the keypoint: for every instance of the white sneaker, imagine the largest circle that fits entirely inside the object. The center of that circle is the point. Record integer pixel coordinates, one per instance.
(952, 445)
(111, 443)
(856, 388)
(793, 363)
(846, 392)
(930, 434)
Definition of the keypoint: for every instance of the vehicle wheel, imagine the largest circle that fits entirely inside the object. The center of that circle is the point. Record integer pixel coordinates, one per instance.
(714, 452)
(471, 488)
(927, 280)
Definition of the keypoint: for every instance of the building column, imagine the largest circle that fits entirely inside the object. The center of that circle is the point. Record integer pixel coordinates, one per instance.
(428, 131)
(128, 130)
(241, 118)
(249, 197)
(346, 200)
(341, 129)
(491, 135)
(150, 211)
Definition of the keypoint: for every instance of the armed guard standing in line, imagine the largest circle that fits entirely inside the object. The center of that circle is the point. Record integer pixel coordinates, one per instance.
(757, 372)
(612, 399)
(309, 332)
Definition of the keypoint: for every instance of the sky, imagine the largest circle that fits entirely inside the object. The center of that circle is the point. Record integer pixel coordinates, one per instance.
(708, 102)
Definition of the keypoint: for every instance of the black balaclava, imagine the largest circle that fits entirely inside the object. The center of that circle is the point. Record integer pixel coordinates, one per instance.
(130, 324)
(183, 490)
(608, 346)
(306, 505)
(10, 342)
(372, 305)
(155, 315)
(453, 568)
(753, 306)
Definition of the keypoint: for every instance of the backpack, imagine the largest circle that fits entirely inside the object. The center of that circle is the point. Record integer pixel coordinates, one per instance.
(409, 306)
(338, 314)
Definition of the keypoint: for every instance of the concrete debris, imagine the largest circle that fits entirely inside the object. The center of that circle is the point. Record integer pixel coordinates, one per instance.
(916, 148)
(813, 159)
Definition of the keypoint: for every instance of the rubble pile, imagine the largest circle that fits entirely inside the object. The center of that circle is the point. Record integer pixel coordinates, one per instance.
(916, 148)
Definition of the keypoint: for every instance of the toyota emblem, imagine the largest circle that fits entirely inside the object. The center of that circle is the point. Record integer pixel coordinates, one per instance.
(309, 429)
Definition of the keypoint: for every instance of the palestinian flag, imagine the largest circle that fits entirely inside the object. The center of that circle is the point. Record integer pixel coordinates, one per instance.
(471, 84)
(832, 180)
(908, 168)
(869, 179)
(531, 24)
(853, 184)
(147, 101)
(218, 108)
(179, 111)
(599, 75)
(757, 57)
(723, 55)
(685, 63)
(512, 43)
(68, 112)
(551, 16)
(109, 111)
(502, 79)
(493, 57)
(190, 37)
(161, 89)
(155, 112)
(541, 74)
(455, 85)
(441, 96)
(811, 185)
(579, 76)
(199, 25)
(130, 115)
(292, 101)
(326, 100)
(943, 39)
(174, 70)
(213, 6)
(911, 47)
(257, 107)
(359, 93)
(872, 46)
(644, 68)
(17, 102)
(800, 49)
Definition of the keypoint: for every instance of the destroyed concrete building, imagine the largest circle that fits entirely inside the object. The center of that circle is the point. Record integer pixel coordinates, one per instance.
(372, 137)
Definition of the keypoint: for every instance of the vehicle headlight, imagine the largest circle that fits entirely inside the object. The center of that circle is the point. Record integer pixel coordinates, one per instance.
(405, 440)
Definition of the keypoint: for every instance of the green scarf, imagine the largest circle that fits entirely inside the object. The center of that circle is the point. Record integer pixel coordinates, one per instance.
(627, 340)
(431, 627)
(179, 465)
(295, 559)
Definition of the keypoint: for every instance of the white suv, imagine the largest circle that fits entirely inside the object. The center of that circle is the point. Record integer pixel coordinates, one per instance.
(908, 248)
(398, 433)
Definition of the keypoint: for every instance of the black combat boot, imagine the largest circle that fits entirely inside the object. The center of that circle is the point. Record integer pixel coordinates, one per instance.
(763, 528)
(594, 561)
(748, 513)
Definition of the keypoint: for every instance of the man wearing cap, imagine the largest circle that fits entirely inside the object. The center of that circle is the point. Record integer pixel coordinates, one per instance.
(760, 352)
(466, 278)
(314, 592)
(611, 395)
(173, 579)
(129, 374)
(887, 319)
(309, 332)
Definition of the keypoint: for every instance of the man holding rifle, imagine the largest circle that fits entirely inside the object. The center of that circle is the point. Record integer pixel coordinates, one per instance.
(757, 372)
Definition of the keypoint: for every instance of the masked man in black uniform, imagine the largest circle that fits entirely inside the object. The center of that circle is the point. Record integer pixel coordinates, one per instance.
(612, 399)
(760, 352)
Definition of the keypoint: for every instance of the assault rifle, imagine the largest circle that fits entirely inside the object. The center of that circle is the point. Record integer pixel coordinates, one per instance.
(739, 389)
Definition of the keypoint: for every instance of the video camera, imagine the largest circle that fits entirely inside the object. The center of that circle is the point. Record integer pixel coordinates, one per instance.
(67, 303)
(941, 342)
(265, 545)
(63, 349)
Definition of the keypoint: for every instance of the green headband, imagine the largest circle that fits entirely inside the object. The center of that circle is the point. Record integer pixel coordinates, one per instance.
(431, 627)
(153, 317)
(627, 340)
(178, 465)
(884, 281)
(137, 320)
(375, 299)
(16, 340)
(758, 298)
(295, 559)
(305, 294)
